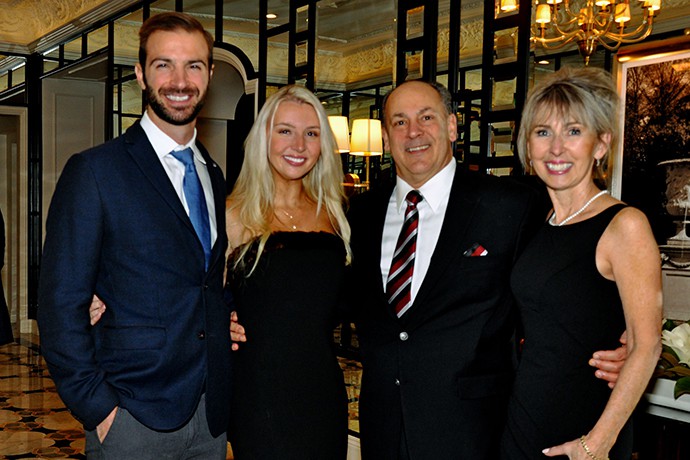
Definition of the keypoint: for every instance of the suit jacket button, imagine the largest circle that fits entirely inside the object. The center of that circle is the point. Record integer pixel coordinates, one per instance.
(201, 335)
(404, 336)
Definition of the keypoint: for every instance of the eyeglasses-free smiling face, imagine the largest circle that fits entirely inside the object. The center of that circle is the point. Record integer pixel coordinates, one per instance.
(176, 77)
(418, 132)
(295, 141)
(563, 151)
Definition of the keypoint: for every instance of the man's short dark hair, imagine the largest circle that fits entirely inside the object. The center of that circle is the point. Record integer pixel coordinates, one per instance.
(170, 22)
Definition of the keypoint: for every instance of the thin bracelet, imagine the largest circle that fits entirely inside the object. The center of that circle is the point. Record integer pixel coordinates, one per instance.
(589, 452)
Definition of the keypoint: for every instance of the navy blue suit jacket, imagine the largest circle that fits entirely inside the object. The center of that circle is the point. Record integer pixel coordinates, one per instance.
(442, 373)
(117, 228)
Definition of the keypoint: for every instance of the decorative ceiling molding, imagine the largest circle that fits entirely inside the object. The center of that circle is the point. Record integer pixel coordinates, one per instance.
(29, 26)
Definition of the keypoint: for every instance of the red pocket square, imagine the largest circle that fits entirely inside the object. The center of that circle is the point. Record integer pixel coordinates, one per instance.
(476, 250)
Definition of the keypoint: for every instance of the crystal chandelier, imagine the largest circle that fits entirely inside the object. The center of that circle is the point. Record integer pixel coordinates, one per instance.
(588, 23)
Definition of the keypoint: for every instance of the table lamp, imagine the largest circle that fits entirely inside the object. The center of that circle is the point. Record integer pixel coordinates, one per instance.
(366, 141)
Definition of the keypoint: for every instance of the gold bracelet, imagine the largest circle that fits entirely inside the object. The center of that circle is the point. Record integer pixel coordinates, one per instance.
(589, 452)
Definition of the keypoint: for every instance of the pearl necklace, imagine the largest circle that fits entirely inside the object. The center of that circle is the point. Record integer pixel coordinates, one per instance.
(552, 219)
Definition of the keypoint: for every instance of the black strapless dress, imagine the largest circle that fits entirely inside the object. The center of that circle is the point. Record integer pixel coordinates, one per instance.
(288, 396)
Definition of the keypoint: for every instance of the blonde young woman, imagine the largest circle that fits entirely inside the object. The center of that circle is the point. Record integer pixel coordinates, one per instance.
(591, 272)
(289, 246)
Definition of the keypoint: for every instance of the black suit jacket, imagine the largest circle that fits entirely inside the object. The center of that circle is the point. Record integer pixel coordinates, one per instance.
(117, 228)
(442, 372)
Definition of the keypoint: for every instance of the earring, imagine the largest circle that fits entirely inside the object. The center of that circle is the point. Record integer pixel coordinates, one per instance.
(598, 162)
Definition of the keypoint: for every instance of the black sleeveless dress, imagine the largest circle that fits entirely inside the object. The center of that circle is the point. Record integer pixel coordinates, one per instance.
(288, 396)
(568, 311)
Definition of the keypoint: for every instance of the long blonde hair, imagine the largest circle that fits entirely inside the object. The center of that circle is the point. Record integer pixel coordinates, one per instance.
(254, 191)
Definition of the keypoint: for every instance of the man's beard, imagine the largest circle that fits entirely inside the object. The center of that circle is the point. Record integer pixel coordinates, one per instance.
(174, 117)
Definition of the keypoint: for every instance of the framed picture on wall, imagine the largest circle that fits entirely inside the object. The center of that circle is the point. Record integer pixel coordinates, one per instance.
(654, 83)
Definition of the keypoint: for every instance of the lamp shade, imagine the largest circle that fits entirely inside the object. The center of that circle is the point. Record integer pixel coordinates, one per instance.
(622, 12)
(366, 137)
(653, 5)
(543, 15)
(341, 131)
(508, 5)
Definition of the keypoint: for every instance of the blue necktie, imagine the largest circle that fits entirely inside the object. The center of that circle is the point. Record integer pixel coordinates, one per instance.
(196, 200)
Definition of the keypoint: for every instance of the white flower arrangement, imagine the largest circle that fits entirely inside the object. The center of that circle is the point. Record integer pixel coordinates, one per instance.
(674, 363)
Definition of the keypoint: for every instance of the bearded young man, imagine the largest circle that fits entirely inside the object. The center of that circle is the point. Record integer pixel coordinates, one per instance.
(140, 222)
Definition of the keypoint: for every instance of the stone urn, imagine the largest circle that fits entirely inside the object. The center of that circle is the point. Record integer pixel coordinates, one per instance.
(677, 203)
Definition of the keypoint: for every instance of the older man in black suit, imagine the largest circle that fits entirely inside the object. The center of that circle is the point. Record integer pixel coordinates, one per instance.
(436, 323)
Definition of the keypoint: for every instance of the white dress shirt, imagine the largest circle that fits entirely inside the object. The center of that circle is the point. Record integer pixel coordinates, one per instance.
(432, 210)
(163, 145)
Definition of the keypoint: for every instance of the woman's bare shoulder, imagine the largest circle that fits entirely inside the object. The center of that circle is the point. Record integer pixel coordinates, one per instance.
(629, 219)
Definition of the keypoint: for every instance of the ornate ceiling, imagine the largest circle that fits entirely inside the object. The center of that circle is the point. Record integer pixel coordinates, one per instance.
(356, 38)
(31, 25)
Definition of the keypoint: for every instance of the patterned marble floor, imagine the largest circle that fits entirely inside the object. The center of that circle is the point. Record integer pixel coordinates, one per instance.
(34, 423)
(352, 373)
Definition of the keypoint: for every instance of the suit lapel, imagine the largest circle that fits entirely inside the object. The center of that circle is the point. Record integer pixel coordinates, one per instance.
(219, 192)
(367, 232)
(377, 224)
(142, 153)
(462, 203)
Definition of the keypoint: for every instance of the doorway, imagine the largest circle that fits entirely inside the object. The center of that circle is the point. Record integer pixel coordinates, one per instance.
(14, 205)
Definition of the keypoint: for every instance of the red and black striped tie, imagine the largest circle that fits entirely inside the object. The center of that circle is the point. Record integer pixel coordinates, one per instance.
(399, 283)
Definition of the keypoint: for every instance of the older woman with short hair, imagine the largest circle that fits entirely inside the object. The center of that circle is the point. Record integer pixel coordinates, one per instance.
(591, 272)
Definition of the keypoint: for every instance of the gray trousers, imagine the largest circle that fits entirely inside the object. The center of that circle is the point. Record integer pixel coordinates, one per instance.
(128, 439)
